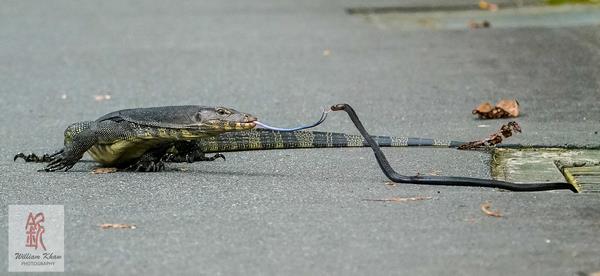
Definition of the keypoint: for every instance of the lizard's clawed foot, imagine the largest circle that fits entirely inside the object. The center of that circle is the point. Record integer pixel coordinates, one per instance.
(205, 158)
(151, 161)
(147, 166)
(189, 152)
(60, 162)
(192, 157)
(32, 157)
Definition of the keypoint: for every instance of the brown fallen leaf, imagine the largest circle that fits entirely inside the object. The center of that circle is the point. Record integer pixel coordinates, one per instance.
(510, 106)
(100, 98)
(484, 5)
(494, 139)
(503, 109)
(103, 170)
(479, 25)
(401, 199)
(486, 210)
(484, 108)
(507, 130)
(117, 226)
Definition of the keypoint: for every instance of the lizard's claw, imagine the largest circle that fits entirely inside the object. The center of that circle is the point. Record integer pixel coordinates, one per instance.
(218, 155)
(60, 163)
(168, 157)
(147, 166)
(32, 157)
(191, 158)
(20, 155)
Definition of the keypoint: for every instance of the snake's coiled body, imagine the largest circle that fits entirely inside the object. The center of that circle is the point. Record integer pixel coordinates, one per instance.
(442, 180)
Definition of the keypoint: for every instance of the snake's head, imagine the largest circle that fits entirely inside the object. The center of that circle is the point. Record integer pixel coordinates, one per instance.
(223, 119)
(338, 107)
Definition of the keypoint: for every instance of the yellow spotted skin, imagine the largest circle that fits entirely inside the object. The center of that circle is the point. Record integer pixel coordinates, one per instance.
(254, 142)
(262, 139)
(354, 140)
(399, 141)
(212, 143)
(278, 140)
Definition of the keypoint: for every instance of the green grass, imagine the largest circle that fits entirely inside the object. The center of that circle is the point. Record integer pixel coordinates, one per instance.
(563, 2)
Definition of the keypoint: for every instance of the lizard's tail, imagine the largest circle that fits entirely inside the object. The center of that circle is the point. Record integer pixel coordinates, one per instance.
(260, 139)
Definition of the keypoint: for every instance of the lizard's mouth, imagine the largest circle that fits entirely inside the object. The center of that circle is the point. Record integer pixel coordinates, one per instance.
(248, 122)
(227, 126)
(245, 126)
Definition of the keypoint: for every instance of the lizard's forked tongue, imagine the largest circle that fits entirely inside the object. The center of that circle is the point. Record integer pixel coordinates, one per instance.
(321, 120)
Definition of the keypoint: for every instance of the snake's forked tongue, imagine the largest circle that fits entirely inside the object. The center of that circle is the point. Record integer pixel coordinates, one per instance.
(321, 120)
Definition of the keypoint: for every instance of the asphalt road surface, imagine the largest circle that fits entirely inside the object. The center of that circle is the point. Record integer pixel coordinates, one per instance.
(297, 212)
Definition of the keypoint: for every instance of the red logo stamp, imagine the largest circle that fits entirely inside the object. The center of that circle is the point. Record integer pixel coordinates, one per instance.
(35, 231)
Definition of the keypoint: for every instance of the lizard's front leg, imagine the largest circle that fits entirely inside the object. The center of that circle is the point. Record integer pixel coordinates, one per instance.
(79, 137)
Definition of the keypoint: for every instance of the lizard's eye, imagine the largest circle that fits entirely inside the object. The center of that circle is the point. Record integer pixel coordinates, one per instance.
(221, 111)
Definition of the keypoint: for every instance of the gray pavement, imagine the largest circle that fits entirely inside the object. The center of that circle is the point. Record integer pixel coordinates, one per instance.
(298, 211)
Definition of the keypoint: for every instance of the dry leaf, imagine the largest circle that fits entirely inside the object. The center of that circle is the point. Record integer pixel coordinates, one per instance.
(117, 226)
(507, 130)
(494, 139)
(486, 107)
(401, 199)
(503, 109)
(510, 106)
(103, 170)
(486, 209)
(484, 5)
(100, 98)
(479, 25)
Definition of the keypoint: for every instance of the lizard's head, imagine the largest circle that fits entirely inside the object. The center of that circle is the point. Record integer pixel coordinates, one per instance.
(222, 119)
